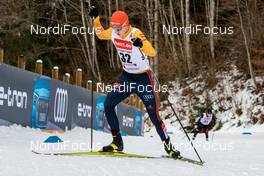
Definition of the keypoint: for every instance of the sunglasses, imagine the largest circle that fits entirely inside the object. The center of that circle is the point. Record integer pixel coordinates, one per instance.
(117, 28)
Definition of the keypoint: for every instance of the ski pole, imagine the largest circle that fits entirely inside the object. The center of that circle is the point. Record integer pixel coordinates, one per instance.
(189, 132)
(213, 136)
(184, 131)
(92, 98)
(173, 110)
(92, 86)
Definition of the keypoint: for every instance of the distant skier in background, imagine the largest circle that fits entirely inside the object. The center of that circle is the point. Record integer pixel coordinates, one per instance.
(133, 49)
(204, 123)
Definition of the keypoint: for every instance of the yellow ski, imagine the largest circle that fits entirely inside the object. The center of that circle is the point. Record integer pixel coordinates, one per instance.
(120, 154)
(98, 153)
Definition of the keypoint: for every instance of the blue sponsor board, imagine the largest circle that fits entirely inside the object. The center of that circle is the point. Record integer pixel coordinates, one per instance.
(38, 101)
(138, 124)
(130, 119)
(100, 119)
(40, 105)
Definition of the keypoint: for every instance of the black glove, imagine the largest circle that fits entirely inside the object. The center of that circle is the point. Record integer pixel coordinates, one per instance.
(137, 42)
(93, 12)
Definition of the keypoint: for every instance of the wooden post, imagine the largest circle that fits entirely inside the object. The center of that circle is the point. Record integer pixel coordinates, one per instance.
(39, 67)
(78, 77)
(55, 72)
(21, 62)
(89, 84)
(1, 55)
(66, 78)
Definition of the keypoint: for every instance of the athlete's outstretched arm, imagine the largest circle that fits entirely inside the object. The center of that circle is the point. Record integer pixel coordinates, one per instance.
(101, 33)
(147, 47)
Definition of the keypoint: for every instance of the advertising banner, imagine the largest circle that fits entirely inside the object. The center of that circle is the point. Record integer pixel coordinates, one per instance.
(38, 101)
(15, 95)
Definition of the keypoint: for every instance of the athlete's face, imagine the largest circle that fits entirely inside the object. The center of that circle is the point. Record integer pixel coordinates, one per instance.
(120, 30)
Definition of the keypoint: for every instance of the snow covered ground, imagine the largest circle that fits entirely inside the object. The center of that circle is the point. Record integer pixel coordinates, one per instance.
(229, 154)
(234, 101)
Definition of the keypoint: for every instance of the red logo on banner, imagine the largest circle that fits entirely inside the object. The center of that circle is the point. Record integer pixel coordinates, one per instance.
(123, 44)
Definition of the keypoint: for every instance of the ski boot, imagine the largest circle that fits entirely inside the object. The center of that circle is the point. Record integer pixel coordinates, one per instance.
(170, 149)
(116, 145)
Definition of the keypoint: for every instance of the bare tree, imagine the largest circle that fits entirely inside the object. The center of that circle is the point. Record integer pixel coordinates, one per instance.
(109, 45)
(117, 4)
(95, 71)
(187, 36)
(117, 60)
(149, 7)
(246, 45)
(183, 24)
(211, 24)
(174, 53)
(156, 36)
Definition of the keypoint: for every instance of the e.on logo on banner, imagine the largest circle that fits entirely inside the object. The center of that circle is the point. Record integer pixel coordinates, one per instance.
(60, 105)
(123, 44)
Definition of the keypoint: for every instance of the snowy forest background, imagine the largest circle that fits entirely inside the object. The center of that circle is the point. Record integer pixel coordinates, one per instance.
(222, 72)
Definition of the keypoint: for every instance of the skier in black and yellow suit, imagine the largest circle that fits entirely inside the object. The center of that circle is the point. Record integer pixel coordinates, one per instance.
(128, 42)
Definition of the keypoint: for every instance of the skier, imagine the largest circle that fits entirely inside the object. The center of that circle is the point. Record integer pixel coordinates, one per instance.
(204, 123)
(133, 49)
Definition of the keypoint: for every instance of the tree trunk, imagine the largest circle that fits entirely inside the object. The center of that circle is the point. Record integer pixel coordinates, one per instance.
(96, 75)
(117, 6)
(149, 7)
(212, 17)
(187, 42)
(156, 35)
(174, 54)
(117, 57)
(87, 47)
(246, 46)
(109, 43)
(249, 22)
(183, 47)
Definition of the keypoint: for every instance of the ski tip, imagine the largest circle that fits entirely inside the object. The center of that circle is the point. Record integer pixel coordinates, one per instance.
(200, 163)
(39, 153)
(33, 151)
(184, 159)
